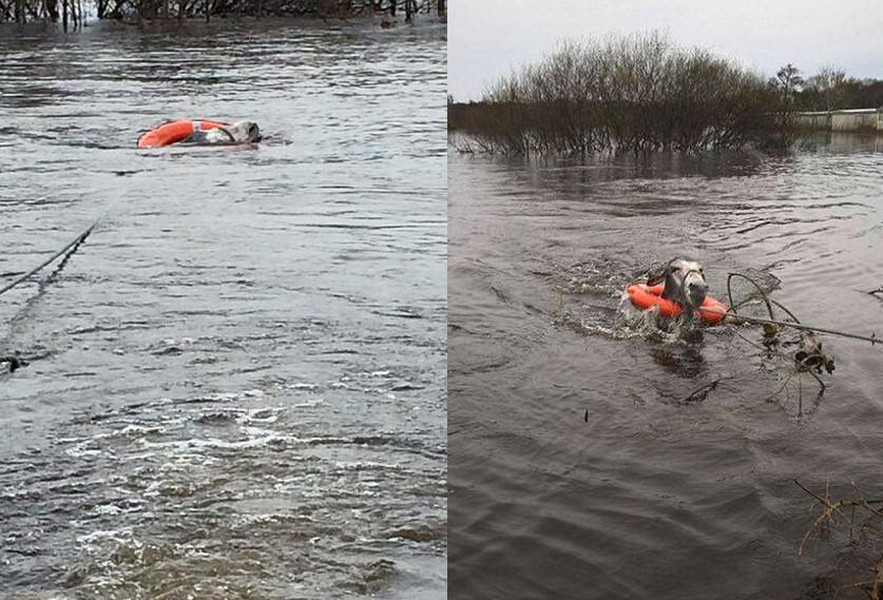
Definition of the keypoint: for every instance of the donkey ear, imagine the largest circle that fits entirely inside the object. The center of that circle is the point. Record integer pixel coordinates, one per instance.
(656, 276)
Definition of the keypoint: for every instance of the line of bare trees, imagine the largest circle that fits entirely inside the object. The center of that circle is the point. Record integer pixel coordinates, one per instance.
(831, 89)
(192, 9)
(25, 11)
(71, 11)
(634, 94)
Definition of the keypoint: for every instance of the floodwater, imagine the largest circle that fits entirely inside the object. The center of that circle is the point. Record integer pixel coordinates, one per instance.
(236, 386)
(594, 455)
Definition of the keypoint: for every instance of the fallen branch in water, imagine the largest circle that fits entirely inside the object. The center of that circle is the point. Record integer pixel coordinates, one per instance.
(67, 251)
(810, 358)
(701, 393)
(731, 314)
(735, 318)
(831, 509)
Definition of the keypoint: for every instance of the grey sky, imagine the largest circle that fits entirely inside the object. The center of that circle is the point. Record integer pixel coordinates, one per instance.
(486, 38)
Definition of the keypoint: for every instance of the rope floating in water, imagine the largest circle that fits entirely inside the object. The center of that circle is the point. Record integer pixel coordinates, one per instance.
(67, 250)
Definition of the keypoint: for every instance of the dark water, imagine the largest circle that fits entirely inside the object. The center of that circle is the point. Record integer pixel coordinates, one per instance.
(236, 386)
(583, 462)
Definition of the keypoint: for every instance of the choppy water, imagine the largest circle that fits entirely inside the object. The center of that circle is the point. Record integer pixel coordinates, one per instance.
(585, 460)
(236, 386)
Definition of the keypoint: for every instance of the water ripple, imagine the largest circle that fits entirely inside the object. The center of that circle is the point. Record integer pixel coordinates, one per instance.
(236, 387)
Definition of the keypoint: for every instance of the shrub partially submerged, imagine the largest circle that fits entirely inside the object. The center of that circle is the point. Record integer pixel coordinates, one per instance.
(635, 94)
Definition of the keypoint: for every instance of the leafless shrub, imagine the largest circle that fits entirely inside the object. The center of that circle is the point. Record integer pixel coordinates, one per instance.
(633, 94)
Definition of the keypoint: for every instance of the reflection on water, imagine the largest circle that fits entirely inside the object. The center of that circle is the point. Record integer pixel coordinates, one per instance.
(842, 143)
(236, 386)
(595, 456)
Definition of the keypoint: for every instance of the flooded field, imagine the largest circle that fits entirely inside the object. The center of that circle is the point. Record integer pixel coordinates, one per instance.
(594, 456)
(236, 386)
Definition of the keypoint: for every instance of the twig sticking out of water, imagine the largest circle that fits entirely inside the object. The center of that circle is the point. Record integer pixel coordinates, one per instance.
(67, 251)
(700, 394)
(831, 509)
(810, 356)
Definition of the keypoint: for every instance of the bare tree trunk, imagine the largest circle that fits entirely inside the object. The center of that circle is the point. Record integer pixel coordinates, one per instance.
(407, 11)
(441, 8)
(64, 15)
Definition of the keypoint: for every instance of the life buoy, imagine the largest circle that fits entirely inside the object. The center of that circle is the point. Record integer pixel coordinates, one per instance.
(175, 131)
(647, 296)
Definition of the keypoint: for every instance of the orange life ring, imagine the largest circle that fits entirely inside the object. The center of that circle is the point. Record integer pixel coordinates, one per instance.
(175, 131)
(647, 296)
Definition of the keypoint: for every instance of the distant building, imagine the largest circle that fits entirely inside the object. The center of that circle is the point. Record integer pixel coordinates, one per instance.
(853, 119)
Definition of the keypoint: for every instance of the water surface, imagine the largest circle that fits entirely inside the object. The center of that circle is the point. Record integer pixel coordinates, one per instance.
(585, 459)
(236, 386)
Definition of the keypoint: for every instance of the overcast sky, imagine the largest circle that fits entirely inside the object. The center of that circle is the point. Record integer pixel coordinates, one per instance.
(487, 38)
